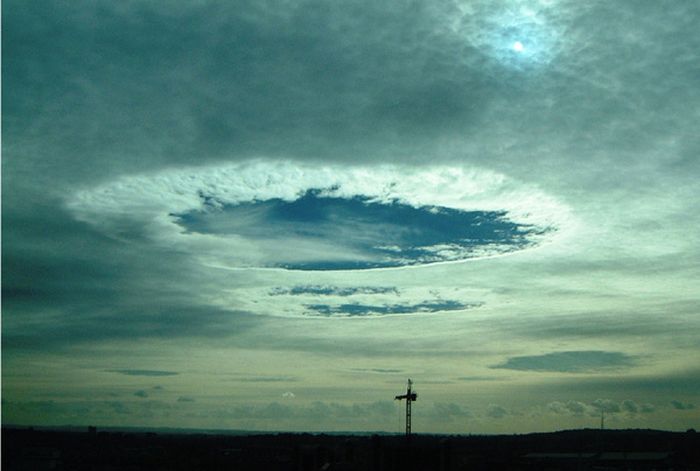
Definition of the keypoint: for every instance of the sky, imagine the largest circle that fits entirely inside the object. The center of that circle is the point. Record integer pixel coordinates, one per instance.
(268, 215)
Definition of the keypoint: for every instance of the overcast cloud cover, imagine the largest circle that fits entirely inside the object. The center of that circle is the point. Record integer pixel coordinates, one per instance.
(164, 164)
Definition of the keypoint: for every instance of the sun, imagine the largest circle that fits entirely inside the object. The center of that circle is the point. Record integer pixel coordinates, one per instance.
(518, 46)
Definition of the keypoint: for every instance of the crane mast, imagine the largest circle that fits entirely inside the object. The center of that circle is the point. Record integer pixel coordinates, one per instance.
(409, 397)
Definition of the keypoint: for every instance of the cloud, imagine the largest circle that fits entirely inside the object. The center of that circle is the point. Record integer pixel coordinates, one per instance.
(266, 379)
(678, 405)
(480, 378)
(411, 299)
(575, 408)
(353, 310)
(87, 411)
(317, 411)
(629, 406)
(666, 384)
(496, 412)
(288, 85)
(190, 208)
(129, 372)
(378, 370)
(319, 290)
(450, 411)
(171, 315)
(134, 115)
(606, 405)
(119, 407)
(570, 362)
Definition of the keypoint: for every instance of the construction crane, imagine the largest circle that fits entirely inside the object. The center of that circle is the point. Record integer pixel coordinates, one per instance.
(410, 397)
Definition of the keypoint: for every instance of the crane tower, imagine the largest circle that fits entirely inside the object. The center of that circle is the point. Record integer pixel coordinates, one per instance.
(410, 397)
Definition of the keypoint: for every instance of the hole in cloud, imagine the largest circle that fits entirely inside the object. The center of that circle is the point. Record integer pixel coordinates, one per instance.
(310, 232)
(347, 302)
(358, 233)
(317, 290)
(289, 216)
(352, 309)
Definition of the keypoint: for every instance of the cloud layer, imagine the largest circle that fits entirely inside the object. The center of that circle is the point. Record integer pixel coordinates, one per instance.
(140, 139)
(570, 362)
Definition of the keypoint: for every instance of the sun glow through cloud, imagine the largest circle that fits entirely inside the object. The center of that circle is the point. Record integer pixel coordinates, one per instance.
(499, 32)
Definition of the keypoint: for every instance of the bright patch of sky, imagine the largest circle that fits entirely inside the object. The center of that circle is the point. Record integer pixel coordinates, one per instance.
(519, 35)
(364, 234)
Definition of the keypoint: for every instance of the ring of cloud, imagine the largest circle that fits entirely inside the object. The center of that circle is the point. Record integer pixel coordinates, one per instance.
(145, 204)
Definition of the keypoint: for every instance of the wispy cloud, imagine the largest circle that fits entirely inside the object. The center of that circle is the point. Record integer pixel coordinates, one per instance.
(606, 405)
(569, 407)
(266, 379)
(319, 290)
(130, 372)
(570, 362)
(378, 370)
(678, 405)
(374, 310)
(496, 412)
(594, 408)
(480, 378)
(450, 411)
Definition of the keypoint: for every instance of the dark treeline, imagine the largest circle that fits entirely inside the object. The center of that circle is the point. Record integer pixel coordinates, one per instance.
(29, 449)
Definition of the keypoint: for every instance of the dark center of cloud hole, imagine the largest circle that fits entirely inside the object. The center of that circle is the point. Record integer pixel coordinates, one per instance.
(381, 234)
